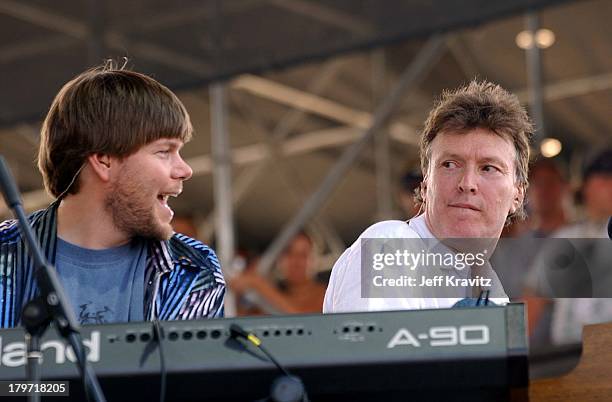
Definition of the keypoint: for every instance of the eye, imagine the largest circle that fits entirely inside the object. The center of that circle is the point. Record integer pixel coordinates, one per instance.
(163, 154)
(449, 164)
(490, 169)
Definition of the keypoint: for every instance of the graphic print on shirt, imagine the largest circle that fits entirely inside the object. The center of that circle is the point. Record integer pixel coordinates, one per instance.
(89, 315)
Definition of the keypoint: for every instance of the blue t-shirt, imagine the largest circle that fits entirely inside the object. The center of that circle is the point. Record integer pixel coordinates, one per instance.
(103, 286)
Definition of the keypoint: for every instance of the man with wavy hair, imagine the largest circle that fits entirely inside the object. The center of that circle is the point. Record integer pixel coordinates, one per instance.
(474, 161)
(110, 155)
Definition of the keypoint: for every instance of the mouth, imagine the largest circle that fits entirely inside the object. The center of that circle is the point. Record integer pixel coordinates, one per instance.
(464, 206)
(166, 195)
(163, 198)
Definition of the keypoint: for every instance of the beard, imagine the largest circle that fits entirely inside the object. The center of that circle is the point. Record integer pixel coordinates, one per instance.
(132, 208)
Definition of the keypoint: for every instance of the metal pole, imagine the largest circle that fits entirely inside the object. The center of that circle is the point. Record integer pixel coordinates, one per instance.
(283, 128)
(381, 143)
(534, 78)
(289, 175)
(34, 360)
(222, 182)
(430, 53)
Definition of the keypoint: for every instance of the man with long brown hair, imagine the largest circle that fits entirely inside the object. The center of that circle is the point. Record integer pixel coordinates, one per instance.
(110, 155)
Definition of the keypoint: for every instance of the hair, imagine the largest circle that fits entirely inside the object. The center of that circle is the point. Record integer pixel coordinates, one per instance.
(106, 110)
(481, 104)
(311, 270)
(301, 233)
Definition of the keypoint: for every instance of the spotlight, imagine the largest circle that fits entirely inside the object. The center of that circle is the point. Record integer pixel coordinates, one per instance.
(524, 40)
(550, 147)
(544, 38)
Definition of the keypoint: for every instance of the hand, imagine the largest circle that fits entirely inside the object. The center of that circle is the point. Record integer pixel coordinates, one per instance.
(243, 282)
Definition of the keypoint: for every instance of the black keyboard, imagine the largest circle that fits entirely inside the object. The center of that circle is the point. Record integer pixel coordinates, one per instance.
(445, 354)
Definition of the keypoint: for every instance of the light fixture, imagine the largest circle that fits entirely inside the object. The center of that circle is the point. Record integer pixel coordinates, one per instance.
(550, 147)
(544, 38)
(524, 39)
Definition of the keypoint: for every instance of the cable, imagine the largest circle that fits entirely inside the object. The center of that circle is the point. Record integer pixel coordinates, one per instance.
(71, 182)
(236, 331)
(483, 298)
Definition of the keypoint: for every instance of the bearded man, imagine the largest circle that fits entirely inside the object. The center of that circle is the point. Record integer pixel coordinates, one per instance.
(110, 156)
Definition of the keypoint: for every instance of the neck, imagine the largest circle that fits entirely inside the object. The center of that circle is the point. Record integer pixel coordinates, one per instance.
(465, 244)
(83, 220)
(551, 220)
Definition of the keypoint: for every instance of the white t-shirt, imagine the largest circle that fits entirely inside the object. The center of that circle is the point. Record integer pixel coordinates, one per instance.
(344, 289)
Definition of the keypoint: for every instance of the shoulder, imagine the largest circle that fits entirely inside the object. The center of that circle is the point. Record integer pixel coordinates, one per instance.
(9, 231)
(380, 230)
(582, 229)
(572, 230)
(389, 229)
(187, 251)
(344, 288)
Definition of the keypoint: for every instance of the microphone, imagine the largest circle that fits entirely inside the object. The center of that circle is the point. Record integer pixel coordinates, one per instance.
(51, 305)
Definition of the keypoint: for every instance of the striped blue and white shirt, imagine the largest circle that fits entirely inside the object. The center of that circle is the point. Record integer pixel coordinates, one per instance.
(183, 278)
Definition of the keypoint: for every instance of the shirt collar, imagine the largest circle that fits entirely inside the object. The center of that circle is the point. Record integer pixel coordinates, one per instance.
(44, 225)
(419, 225)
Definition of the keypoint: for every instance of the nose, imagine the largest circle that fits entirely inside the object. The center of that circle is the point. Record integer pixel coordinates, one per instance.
(468, 181)
(182, 170)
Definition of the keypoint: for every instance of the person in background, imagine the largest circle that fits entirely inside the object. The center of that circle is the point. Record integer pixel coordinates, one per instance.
(409, 183)
(298, 291)
(569, 315)
(547, 198)
(546, 209)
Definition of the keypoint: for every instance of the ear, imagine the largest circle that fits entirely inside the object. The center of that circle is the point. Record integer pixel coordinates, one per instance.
(519, 196)
(101, 165)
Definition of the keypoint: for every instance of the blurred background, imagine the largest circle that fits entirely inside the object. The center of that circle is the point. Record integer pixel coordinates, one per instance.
(307, 115)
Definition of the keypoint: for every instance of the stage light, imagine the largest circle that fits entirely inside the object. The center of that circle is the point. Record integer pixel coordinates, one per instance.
(550, 147)
(524, 39)
(544, 38)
